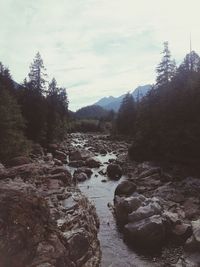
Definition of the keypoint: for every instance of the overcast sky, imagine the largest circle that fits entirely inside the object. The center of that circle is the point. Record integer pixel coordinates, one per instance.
(96, 48)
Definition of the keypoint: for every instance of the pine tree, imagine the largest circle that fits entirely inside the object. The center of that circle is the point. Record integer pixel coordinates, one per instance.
(191, 63)
(37, 74)
(166, 69)
(33, 102)
(57, 112)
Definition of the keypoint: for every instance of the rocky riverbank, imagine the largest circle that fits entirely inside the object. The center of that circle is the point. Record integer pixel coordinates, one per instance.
(156, 210)
(45, 220)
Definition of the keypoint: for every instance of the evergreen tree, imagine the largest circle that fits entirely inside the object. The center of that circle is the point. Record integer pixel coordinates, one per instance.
(166, 69)
(37, 75)
(32, 100)
(57, 112)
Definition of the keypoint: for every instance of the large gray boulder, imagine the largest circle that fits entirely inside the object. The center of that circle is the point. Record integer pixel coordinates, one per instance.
(144, 212)
(124, 206)
(125, 188)
(114, 171)
(149, 232)
(92, 163)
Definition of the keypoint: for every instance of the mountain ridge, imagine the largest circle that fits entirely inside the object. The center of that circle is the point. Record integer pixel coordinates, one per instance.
(113, 103)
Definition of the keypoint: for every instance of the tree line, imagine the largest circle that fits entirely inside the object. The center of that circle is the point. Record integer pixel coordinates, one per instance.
(165, 124)
(35, 111)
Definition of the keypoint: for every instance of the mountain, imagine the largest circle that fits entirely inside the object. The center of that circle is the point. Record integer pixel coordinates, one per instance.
(114, 103)
(91, 112)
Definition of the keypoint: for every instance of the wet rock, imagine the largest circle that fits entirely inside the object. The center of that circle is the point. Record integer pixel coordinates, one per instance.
(80, 155)
(102, 172)
(149, 232)
(93, 163)
(124, 206)
(18, 161)
(125, 188)
(85, 170)
(103, 151)
(78, 245)
(80, 177)
(114, 171)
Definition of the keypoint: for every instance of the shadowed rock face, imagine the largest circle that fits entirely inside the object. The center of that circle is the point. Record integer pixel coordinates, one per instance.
(44, 222)
(25, 224)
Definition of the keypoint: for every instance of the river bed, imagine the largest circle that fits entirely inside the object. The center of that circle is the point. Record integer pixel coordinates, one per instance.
(115, 252)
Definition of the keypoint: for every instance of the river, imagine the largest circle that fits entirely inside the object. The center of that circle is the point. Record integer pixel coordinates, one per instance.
(115, 252)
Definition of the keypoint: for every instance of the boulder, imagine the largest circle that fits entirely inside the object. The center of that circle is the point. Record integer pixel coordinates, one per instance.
(147, 233)
(193, 243)
(124, 206)
(26, 229)
(78, 245)
(93, 163)
(80, 155)
(144, 212)
(85, 170)
(125, 188)
(80, 177)
(114, 171)
(103, 151)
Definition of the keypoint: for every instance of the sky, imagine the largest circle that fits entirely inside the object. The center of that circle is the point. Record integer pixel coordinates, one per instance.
(96, 48)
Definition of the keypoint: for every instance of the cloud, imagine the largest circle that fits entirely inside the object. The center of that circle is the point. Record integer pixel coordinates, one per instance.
(96, 47)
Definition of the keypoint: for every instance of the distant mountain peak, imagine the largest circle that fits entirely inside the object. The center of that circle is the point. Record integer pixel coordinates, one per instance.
(113, 103)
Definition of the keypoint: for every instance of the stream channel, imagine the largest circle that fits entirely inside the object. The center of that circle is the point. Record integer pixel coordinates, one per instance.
(115, 252)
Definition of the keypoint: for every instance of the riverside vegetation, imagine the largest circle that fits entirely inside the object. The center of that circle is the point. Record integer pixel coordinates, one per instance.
(146, 168)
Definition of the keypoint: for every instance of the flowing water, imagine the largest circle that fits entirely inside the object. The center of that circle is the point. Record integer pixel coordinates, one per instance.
(115, 252)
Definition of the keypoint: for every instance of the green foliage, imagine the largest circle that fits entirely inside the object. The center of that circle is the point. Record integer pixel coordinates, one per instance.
(30, 111)
(168, 122)
(166, 69)
(57, 110)
(12, 140)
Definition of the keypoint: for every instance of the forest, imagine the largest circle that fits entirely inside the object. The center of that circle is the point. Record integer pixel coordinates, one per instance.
(33, 112)
(163, 125)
